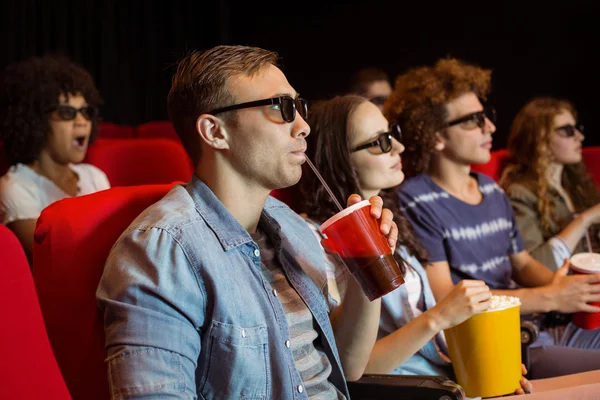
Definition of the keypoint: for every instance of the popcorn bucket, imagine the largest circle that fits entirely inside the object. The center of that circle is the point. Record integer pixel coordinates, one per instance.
(486, 350)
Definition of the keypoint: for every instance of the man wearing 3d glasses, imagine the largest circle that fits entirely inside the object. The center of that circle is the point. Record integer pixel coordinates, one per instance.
(218, 290)
(465, 221)
(372, 83)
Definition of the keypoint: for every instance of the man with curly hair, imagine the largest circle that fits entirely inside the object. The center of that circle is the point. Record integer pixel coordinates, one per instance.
(49, 117)
(464, 219)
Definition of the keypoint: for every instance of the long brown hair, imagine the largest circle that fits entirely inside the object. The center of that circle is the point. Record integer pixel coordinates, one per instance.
(530, 156)
(329, 149)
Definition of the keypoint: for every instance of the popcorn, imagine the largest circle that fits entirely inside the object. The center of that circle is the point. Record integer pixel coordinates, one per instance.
(502, 302)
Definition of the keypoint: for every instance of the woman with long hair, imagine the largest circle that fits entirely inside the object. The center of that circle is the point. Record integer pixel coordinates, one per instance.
(554, 198)
(356, 151)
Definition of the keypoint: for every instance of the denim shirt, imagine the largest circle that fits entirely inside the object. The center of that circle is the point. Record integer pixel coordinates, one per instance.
(187, 312)
(397, 312)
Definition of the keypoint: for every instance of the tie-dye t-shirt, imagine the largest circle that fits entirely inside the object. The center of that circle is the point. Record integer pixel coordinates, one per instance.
(475, 240)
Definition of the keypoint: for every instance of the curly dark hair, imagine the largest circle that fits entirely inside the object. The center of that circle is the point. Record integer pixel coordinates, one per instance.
(530, 156)
(418, 104)
(29, 89)
(329, 148)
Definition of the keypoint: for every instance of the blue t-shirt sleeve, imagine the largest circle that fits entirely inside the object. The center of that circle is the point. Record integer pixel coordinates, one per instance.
(516, 240)
(429, 232)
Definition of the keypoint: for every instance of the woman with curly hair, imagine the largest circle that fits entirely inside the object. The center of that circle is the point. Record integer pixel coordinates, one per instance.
(554, 198)
(49, 117)
(465, 221)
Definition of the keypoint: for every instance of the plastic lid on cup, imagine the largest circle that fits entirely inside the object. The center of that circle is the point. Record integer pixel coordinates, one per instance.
(343, 213)
(587, 263)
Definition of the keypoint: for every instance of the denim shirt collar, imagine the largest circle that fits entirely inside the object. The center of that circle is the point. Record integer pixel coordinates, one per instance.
(228, 230)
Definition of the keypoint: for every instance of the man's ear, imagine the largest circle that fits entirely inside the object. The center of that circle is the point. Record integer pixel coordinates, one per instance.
(440, 142)
(212, 131)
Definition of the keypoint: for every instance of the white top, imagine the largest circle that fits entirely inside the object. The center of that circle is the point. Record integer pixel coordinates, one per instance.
(414, 289)
(24, 193)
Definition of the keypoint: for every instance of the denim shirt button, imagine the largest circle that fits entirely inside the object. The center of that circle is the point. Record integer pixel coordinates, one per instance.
(300, 389)
(274, 292)
(243, 333)
(287, 344)
(257, 253)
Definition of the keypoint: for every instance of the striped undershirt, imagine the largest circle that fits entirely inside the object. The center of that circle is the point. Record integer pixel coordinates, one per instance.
(310, 360)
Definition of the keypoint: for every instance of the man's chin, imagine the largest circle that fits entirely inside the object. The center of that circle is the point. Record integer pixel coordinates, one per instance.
(481, 159)
(290, 182)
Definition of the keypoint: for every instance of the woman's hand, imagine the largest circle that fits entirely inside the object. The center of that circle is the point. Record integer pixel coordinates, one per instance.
(526, 386)
(386, 221)
(467, 298)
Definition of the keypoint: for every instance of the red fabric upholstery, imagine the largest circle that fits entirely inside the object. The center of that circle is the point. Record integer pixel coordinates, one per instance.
(157, 129)
(290, 196)
(591, 158)
(72, 241)
(28, 369)
(108, 130)
(494, 167)
(129, 162)
(3, 160)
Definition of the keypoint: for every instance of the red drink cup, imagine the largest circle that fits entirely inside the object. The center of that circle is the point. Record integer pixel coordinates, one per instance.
(586, 263)
(354, 234)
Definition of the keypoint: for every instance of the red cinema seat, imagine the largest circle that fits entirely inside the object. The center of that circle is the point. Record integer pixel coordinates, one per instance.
(290, 196)
(494, 167)
(28, 369)
(108, 130)
(128, 162)
(591, 158)
(157, 129)
(72, 241)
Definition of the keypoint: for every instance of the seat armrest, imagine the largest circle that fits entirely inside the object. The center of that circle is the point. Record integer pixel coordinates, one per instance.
(529, 334)
(414, 387)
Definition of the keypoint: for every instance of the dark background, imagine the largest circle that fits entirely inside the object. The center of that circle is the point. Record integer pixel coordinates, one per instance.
(131, 46)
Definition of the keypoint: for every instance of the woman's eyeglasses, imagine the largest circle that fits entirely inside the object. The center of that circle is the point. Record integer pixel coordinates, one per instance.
(384, 140)
(569, 130)
(287, 107)
(69, 113)
(476, 119)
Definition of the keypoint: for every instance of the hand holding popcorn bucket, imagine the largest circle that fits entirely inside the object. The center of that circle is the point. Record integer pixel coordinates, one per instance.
(486, 349)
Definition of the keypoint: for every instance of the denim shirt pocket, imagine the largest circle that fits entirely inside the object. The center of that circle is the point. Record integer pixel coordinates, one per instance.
(236, 362)
(135, 368)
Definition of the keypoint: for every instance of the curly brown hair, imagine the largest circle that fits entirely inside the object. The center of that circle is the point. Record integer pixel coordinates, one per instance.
(530, 156)
(329, 148)
(29, 89)
(418, 104)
